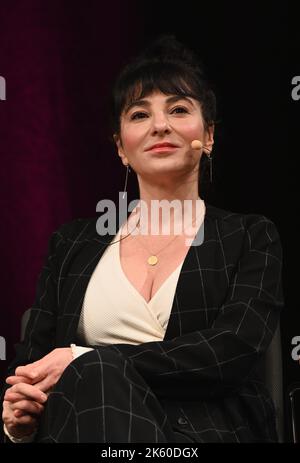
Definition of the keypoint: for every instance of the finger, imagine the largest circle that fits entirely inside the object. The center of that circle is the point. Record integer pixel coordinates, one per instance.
(19, 413)
(13, 396)
(8, 414)
(31, 392)
(43, 385)
(29, 371)
(17, 379)
(27, 419)
(46, 385)
(28, 406)
(16, 397)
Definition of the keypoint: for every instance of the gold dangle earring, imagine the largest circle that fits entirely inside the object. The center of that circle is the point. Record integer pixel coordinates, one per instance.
(209, 156)
(126, 178)
(210, 166)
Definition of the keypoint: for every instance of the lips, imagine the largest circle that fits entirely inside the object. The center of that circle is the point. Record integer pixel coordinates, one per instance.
(162, 145)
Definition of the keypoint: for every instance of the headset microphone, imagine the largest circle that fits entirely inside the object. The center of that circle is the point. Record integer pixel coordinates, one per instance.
(196, 145)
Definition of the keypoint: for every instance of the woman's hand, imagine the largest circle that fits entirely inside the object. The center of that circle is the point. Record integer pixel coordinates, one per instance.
(18, 426)
(23, 402)
(22, 405)
(44, 373)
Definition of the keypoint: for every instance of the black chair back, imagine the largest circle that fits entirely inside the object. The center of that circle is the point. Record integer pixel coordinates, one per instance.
(270, 372)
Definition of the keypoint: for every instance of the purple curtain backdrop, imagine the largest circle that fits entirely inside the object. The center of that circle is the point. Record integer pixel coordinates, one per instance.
(58, 59)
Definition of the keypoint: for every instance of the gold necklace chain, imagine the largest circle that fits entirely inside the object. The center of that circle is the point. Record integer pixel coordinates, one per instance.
(153, 258)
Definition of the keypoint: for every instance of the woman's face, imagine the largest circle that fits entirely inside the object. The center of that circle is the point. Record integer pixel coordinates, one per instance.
(160, 118)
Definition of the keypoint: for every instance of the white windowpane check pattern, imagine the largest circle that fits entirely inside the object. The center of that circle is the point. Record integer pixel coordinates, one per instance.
(225, 311)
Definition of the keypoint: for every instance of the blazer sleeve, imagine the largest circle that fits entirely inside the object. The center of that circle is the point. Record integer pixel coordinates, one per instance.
(215, 361)
(39, 338)
(40, 331)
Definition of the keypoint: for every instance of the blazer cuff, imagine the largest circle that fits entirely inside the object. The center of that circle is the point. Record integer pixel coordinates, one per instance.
(20, 440)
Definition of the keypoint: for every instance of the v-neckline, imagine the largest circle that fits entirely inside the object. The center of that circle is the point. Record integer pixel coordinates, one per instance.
(128, 282)
(133, 288)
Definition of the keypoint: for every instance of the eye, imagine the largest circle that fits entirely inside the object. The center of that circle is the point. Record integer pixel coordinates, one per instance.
(180, 110)
(138, 115)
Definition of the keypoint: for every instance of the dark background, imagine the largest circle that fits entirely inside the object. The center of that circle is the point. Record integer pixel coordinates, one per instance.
(59, 59)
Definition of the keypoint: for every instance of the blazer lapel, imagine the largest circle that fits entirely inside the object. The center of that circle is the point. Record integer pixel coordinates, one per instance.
(190, 304)
(77, 272)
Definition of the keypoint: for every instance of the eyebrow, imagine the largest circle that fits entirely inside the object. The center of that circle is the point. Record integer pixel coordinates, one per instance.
(146, 103)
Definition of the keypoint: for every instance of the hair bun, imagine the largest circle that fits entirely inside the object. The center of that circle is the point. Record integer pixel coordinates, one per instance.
(166, 48)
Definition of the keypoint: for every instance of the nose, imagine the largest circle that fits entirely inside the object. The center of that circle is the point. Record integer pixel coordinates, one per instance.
(160, 124)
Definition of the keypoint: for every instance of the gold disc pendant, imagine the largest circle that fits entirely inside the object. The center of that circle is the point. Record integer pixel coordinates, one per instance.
(152, 260)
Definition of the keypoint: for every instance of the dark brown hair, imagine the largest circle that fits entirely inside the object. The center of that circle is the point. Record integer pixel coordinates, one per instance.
(168, 66)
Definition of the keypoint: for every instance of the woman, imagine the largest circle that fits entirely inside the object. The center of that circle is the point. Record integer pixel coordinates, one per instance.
(145, 337)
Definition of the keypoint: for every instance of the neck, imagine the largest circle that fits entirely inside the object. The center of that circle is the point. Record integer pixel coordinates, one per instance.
(167, 207)
(168, 188)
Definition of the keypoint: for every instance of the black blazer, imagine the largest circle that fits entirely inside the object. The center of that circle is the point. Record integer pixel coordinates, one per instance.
(225, 311)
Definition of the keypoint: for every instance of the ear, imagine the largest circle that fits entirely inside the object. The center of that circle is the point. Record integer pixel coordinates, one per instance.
(118, 142)
(209, 137)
